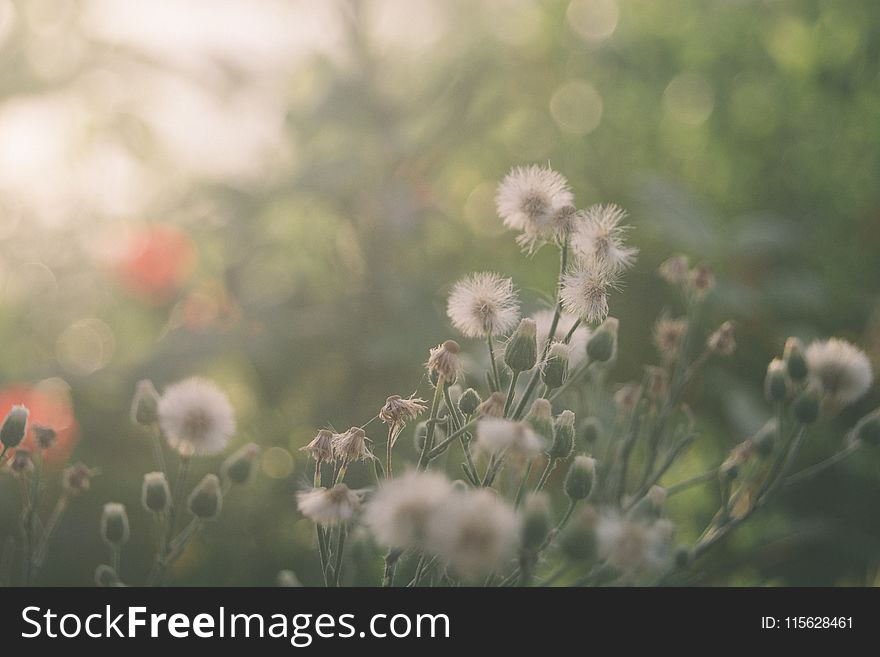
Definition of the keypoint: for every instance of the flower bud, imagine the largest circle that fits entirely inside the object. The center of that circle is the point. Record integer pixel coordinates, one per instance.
(776, 383)
(540, 419)
(114, 524)
(556, 366)
(206, 499)
(682, 556)
(650, 507)
(563, 438)
(602, 345)
(493, 406)
(105, 576)
(239, 466)
(579, 478)
(722, 341)
(701, 280)
(867, 430)
(145, 405)
(765, 438)
(155, 492)
(578, 541)
(469, 402)
(521, 353)
(795, 362)
(806, 405)
(22, 463)
(590, 430)
(12, 431)
(536, 523)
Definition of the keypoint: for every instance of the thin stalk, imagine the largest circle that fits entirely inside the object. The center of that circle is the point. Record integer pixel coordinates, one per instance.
(551, 464)
(391, 560)
(340, 549)
(156, 443)
(316, 479)
(49, 530)
(115, 557)
(495, 380)
(322, 552)
(709, 475)
(432, 421)
(821, 466)
(389, 473)
(511, 391)
(444, 444)
(523, 482)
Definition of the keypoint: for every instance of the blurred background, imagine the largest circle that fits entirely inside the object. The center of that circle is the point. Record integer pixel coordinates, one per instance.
(277, 194)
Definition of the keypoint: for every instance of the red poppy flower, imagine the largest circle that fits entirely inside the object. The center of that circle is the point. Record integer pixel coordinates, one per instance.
(155, 262)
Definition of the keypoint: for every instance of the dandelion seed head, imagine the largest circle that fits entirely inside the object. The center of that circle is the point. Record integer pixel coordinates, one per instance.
(577, 344)
(841, 370)
(535, 200)
(399, 513)
(328, 507)
(496, 435)
(483, 304)
(601, 236)
(585, 290)
(196, 417)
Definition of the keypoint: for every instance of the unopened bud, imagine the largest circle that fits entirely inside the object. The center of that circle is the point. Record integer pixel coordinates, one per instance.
(795, 362)
(867, 430)
(206, 499)
(493, 406)
(14, 426)
(521, 352)
(536, 523)
(602, 345)
(105, 576)
(155, 492)
(578, 541)
(806, 405)
(239, 466)
(591, 430)
(563, 437)
(145, 405)
(114, 524)
(765, 438)
(469, 402)
(556, 366)
(540, 419)
(579, 478)
(776, 382)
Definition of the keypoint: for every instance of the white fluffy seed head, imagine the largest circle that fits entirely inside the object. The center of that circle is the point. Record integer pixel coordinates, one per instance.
(497, 435)
(196, 417)
(475, 532)
(328, 507)
(585, 290)
(534, 200)
(841, 370)
(634, 546)
(577, 344)
(483, 304)
(601, 236)
(398, 515)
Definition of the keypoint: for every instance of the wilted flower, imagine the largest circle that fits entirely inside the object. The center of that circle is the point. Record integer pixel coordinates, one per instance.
(398, 411)
(483, 304)
(328, 506)
(496, 435)
(475, 532)
(77, 478)
(445, 360)
(600, 238)
(351, 446)
(196, 417)
(399, 513)
(722, 341)
(701, 280)
(22, 462)
(45, 436)
(321, 446)
(577, 344)
(585, 290)
(675, 270)
(842, 370)
(530, 199)
(669, 337)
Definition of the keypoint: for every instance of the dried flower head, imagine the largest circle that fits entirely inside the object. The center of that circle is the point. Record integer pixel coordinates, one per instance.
(585, 290)
(841, 370)
(634, 546)
(22, 463)
(496, 435)
(675, 270)
(196, 417)
(483, 304)
(445, 360)
(601, 235)
(321, 446)
(723, 341)
(351, 446)
(399, 513)
(474, 533)
(77, 478)
(669, 337)
(328, 506)
(577, 343)
(45, 436)
(701, 280)
(398, 411)
(535, 201)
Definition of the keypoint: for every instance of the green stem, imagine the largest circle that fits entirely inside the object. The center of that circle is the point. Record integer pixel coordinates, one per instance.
(821, 466)
(709, 475)
(511, 391)
(340, 549)
(521, 489)
(322, 552)
(156, 442)
(495, 379)
(432, 421)
(444, 444)
(551, 463)
(391, 560)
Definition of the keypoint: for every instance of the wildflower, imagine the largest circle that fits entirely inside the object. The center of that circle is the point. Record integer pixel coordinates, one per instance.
(238, 466)
(701, 280)
(155, 492)
(469, 402)
(540, 419)
(22, 463)
(483, 304)
(521, 352)
(590, 430)
(493, 406)
(77, 478)
(398, 411)
(600, 238)
(669, 337)
(776, 382)
(496, 436)
(474, 533)
(555, 367)
(14, 426)
(634, 546)
(577, 343)
(206, 499)
(45, 436)
(351, 446)
(321, 446)
(563, 436)
(795, 361)
(602, 346)
(842, 370)
(579, 478)
(534, 200)
(328, 506)
(399, 513)
(806, 405)
(585, 290)
(675, 270)
(722, 341)
(444, 360)
(578, 541)
(114, 524)
(535, 522)
(145, 404)
(196, 417)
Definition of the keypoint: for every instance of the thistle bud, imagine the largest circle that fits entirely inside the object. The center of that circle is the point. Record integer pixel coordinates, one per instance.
(602, 345)
(155, 492)
(579, 478)
(114, 524)
(776, 382)
(13, 429)
(521, 353)
(469, 402)
(765, 438)
(795, 362)
(536, 523)
(492, 407)
(806, 405)
(206, 499)
(145, 405)
(590, 430)
(22, 463)
(722, 341)
(105, 576)
(563, 438)
(556, 366)
(239, 466)
(540, 419)
(579, 541)
(867, 430)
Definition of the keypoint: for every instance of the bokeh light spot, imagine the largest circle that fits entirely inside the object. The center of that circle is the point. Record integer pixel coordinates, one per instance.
(277, 463)
(576, 107)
